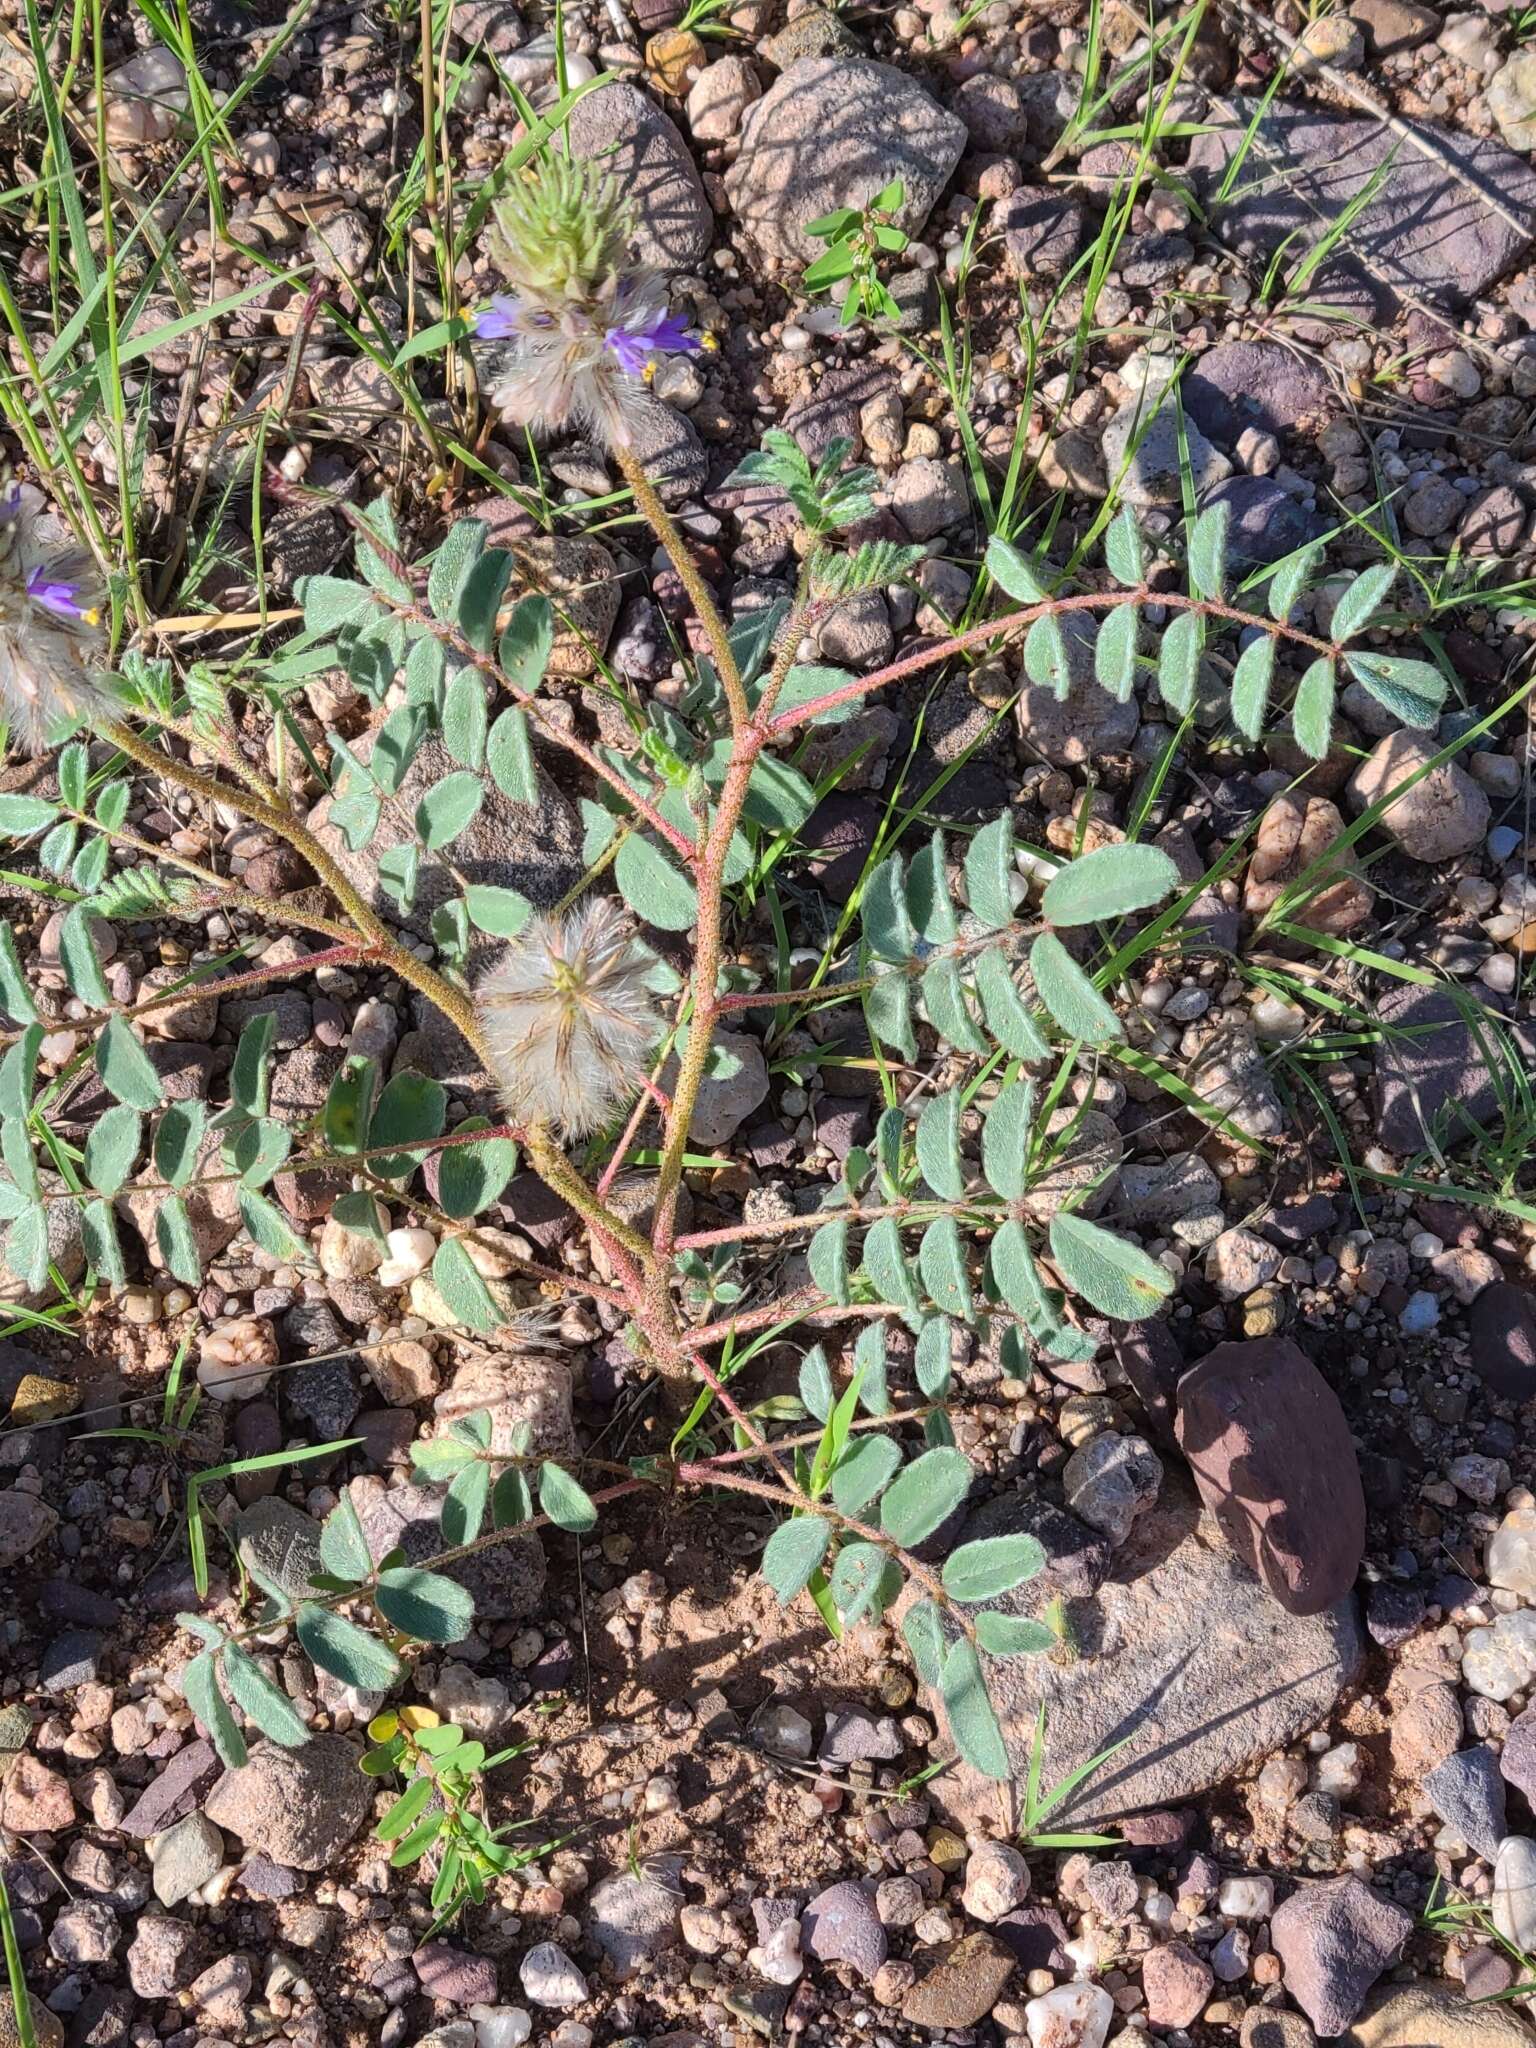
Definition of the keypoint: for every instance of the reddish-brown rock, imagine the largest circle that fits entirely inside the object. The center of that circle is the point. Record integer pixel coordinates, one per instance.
(1271, 1453)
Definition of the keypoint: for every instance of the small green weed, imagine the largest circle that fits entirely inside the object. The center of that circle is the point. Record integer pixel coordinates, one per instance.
(856, 238)
(1038, 1806)
(442, 1808)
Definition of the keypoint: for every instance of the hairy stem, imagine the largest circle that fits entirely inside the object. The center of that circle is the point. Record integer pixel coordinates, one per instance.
(734, 1482)
(557, 735)
(694, 1059)
(699, 594)
(558, 1173)
(192, 990)
(455, 1006)
(786, 1226)
(995, 629)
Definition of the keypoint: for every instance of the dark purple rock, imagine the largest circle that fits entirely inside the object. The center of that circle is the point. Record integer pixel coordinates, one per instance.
(1077, 1558)
(1265, 522)
(1169, 1829)
(1255, 384)
(538, 1212)
(1334, 1941)
(1422, 231)
(177, 1791)
(609, 1370)
(770, 1146)
(1037, 1936)
(383, 1433)
(1384, 1478)
(170, 1587)
(1502, 1330)
(264, 1879)
(1432, 1079)
(1453, 1594)
(769, 1915)
(1486, 1972)
(1148, 1354)
(841, 1122)
(831, 411)
(841, 832)
(1042, 232)
(454, 1975)
(840, 1925)
(1209, 922)
(553, 1669)
(1297, 1223)
(61, 1600)
(1467, 1793)
(70, 1660)
(326, 1395)
(102, 2018)
(1393, 1612)
(257, 1433)
(1271, 1453)
(185, 1072)
(1146, 262)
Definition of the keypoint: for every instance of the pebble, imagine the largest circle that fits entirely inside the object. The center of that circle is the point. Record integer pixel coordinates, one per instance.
(1499, 1661)
(1070, 2016)
(996, 1881)
(1467, 1792)
(841, 1925)
(1514, 1891)
(550, 1978)
(1246, 1898)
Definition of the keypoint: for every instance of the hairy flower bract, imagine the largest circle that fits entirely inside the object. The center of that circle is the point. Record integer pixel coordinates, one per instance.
(586, 323)
(570, 1019)
(49, 622)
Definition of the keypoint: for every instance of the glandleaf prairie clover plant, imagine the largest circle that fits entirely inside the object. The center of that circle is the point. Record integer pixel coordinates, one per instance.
(986, 973)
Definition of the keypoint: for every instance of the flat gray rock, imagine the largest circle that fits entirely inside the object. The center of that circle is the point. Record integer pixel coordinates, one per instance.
(830, 132)
(1423, 231)
(1182, 1651)
(281, 1541)
(533, 848)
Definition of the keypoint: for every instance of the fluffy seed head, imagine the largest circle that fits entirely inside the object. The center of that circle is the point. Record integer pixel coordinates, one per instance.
(569, 1019)
(49, 623)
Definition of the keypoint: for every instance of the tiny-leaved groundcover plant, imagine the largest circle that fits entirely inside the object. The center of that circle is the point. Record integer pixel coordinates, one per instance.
(595, 1040)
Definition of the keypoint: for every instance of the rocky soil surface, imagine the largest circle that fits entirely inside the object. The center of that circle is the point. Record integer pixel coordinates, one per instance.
(1292, 1525)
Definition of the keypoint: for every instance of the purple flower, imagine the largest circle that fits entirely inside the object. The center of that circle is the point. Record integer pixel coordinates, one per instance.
(666, 336)
(58, 597)
(508, 320)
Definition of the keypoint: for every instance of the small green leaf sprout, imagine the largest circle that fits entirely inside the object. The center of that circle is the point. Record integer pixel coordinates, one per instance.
(857, 237)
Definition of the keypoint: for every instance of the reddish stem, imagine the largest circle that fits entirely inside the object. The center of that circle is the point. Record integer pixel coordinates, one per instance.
(992, 629)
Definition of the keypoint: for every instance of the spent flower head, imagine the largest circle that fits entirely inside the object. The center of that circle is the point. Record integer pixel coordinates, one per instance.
(586, 323)
(49, 621)
(570, 1018)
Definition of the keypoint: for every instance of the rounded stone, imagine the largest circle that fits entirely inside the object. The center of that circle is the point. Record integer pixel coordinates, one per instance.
(1445, 813)
(301, 1807)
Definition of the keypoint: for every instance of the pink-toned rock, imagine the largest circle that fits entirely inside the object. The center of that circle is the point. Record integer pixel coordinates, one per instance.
(1271, 1453)
(1177, 1984)
(1295, 833)
(35, 1800)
